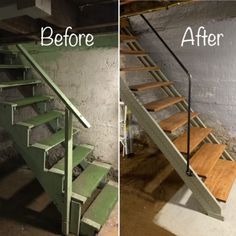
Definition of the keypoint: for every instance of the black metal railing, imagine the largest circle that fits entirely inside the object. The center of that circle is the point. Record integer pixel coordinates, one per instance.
(188, 170)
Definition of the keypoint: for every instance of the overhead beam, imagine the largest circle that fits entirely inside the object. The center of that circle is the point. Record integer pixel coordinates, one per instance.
(33, 8)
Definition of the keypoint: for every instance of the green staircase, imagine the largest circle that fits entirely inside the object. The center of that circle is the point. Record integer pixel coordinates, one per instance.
(212, 169)
(84, 201)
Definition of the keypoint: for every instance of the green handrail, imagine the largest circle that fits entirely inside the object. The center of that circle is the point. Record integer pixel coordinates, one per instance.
(54, 87)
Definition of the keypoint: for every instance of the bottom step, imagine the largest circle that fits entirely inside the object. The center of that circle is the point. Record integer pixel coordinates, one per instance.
(100, 209)
(220, 180)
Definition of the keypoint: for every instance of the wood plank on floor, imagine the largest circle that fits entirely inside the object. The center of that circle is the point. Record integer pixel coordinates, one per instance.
(197, 135)
(204, 160)
(176, 121)
(150, 85)
(125, 37)
(163, 103)
(221, 179)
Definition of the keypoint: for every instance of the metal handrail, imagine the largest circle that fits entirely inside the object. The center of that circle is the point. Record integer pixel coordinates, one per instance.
(69, 105)
(189, 76)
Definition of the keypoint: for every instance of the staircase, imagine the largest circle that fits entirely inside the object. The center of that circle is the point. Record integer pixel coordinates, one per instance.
(85, 200)
(213, 170)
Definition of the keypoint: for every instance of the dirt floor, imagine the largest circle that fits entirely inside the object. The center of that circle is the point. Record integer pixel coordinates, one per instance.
(25, 208)
(142, 194)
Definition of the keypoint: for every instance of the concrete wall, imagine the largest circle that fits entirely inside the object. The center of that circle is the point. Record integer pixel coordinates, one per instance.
(213, 68)
(89, 78)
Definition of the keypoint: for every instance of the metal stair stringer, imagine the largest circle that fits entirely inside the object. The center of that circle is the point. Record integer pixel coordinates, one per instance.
(176, 159)
(171, 90)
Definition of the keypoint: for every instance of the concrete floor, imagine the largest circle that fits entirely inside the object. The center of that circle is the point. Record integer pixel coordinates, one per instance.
(25, 208)
(139, 207)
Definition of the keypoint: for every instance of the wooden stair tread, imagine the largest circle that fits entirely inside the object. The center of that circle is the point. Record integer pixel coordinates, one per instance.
(143, 68)
(163, 103)
(147, 86)
(221, 178)
(130, 52)
(204, 160)
(176, 121)
(99, 211)
(125, 37)
(197, 135)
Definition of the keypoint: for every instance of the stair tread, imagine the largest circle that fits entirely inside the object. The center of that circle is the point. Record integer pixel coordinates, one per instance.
(163, 103)
(176, 121)
(3, 66)
(150, 85)
(88, 180)
(79, 154)
(55, 138)
(16, 83)
(142, 68)
(101, 208)
(221, 178)
(29, 101)
(204, 160)
(130, 52)
(197, 135)
(42, 119)
(125, 37)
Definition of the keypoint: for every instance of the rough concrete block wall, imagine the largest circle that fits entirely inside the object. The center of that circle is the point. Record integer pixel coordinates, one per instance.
(213, 68)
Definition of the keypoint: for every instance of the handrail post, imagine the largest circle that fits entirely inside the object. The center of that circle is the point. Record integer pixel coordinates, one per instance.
(68, 170)
(189, 76)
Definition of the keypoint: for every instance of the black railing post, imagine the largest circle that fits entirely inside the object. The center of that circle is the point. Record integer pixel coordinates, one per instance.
(188, 170)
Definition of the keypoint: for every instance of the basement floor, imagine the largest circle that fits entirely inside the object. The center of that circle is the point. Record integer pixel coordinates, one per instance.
(25, 208)
(141, 197)
(149, 207)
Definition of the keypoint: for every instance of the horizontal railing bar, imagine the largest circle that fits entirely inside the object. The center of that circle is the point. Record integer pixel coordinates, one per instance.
(69, 105)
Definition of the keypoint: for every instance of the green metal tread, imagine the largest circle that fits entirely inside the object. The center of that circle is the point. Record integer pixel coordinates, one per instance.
(3, 66)
(89, 180)
(41, 119)
(100, 209)
(29, 101)
(54, 139)
(79, 154)
(16, 83)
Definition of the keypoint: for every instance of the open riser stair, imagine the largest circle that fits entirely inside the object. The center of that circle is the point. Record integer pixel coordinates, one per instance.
(213, 169)
(86, 200)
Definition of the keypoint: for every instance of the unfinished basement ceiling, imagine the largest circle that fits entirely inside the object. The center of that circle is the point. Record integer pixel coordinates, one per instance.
(21, 20)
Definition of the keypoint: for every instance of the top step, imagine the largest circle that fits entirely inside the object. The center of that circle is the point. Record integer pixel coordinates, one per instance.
(147, 86)
(140, 69)
(134, 53)
(14, 67)
(125, 37)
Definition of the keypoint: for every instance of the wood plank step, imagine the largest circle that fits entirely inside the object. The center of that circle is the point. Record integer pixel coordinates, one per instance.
(134, 53)
(2, 66)
(221, 178)
(41, 119)
(176, 121)
(88, 181)
(143, 68)
(79, 154)
(197, 135)
(163, 103)
(54, 139)
(99, 211)
(204, 160)
(125, 37)
(147, 86)
(29, 101)
(16, 83)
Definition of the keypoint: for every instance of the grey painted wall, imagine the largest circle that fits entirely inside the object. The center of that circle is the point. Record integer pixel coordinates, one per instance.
(213, 68)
